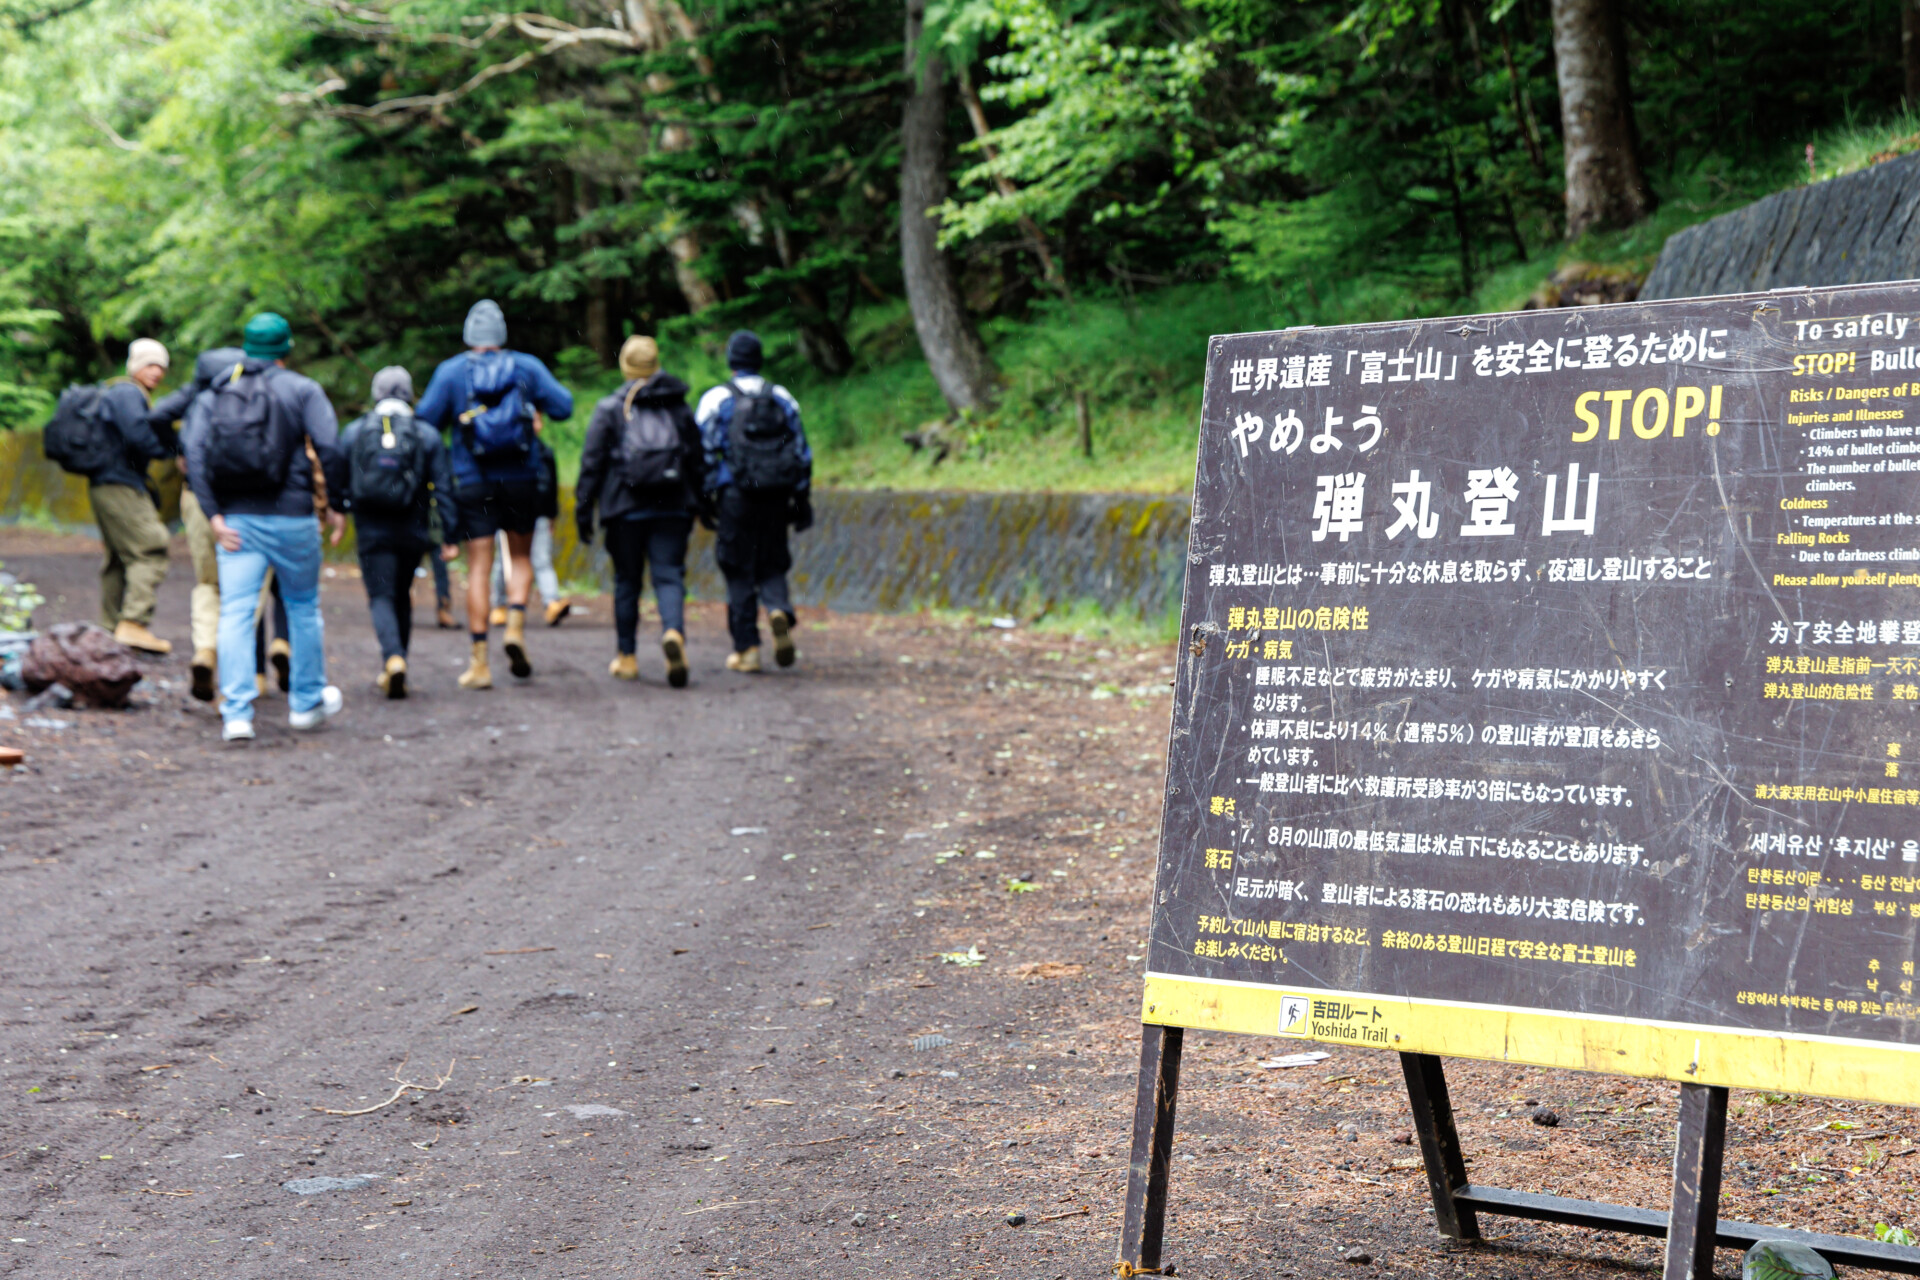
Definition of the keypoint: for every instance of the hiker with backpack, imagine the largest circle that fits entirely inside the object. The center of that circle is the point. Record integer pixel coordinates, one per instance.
(103, 433)
(169, 413)
(398, 473)
(485, 399)
(545, 579)
(759, 471)
(251, 448)
(642, 468)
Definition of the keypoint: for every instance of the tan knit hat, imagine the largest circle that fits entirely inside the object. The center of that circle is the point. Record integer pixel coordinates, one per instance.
(639, 357)
(142, 352)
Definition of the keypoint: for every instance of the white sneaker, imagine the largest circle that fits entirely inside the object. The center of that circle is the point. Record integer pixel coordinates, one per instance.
(237, 731)
(331, 700)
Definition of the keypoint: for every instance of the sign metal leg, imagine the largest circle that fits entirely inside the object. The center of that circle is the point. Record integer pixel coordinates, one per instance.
(1439, 1141)
(1696, 1182)
(1145, 1224)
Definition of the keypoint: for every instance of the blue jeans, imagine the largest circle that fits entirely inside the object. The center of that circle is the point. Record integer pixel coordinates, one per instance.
(291, 546)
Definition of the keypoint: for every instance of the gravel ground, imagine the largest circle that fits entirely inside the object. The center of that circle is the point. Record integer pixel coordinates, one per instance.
(670, 953)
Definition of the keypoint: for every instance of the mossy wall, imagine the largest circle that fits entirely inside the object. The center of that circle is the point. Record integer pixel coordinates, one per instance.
(868, 550)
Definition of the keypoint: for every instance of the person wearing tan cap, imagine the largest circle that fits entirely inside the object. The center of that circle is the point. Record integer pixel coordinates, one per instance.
(126, 504)
(642, 469)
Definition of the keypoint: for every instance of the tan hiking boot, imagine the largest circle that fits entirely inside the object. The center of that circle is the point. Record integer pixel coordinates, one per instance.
(135, 636)
(498, 618)
(558, 609)
(443, 614)
(479, 673)
(205, 662)
(260, 683)
(747, 660)
(516, 644)
(781, 625)
(280, 656)
(624, 667)
(674, 646)
(393, 679)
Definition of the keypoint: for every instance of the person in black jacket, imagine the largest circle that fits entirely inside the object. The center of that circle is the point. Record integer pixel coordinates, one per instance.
(126, 506)
(391, 541)
(641, 468)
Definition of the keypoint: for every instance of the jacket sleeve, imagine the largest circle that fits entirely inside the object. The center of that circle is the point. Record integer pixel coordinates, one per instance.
(169, 409)
(324, 430)
(194, 436)
(595, 456)
(692, 449)
(436, 407)
(715, 418)
(800, 436)
(127, 405)
(548, 396)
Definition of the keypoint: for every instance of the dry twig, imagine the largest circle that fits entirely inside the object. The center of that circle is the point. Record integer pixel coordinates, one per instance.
(402, 1087)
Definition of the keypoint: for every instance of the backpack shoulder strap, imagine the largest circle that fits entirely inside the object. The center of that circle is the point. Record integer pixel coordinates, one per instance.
(633, 393)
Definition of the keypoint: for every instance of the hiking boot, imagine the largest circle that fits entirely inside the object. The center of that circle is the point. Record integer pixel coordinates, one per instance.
(135, 635)
(557, 610)
(781, 624)
(516, 644)
(204, 662)
(497, 618)
(443, 614)
(237, 731)
(393, 680)
(478, 675)
(674, 645)
(747, 660)
(331, 700)
(280, 655)
(624, 667)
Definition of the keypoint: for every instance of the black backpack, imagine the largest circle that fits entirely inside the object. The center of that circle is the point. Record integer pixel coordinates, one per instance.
(79, 437)
(762, 450)
(250, 436)
(384, 462)
(650, 454)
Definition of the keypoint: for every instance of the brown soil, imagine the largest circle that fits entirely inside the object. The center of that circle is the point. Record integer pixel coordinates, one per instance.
(542, 889)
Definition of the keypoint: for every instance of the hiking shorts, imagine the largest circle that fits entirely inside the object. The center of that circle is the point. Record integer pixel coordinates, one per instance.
(496, 506)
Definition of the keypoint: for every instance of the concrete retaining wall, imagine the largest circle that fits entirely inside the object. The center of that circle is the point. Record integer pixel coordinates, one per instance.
(1858, 229)
(867, 551)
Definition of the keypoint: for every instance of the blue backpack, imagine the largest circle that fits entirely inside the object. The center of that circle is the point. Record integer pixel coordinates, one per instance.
(497, 421)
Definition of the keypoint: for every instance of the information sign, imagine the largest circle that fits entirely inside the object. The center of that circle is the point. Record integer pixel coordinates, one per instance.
(1551, 692)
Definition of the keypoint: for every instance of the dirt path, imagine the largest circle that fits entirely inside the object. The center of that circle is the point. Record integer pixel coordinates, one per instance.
(676, 948)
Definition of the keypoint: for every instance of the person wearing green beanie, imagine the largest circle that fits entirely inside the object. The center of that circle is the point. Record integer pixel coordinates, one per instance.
(258, 483)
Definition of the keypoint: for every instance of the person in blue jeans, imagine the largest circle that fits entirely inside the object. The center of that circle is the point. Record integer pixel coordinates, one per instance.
(247, 460)
(642, 469)
(485, 398)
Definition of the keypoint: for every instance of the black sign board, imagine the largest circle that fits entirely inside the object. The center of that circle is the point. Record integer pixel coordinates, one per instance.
(1552, 692)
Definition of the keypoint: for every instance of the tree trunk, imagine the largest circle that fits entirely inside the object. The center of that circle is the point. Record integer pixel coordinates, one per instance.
(1605, 185)
(1910, 49)
(953, 350)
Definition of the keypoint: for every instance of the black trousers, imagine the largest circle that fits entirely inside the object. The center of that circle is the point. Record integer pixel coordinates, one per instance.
(387, 570)
(750, 546)
(660, 541)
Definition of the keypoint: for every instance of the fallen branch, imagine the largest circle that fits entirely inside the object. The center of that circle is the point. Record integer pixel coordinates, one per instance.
(816, 1142)
(1071, 1213)
(518, 951)
(403, 1086)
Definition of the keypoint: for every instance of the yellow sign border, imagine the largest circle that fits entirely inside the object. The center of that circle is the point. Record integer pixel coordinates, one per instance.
(1828, 1066)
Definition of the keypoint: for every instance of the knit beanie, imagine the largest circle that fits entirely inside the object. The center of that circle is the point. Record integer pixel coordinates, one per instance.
(143, 352)
(267, 336)
(393, 383)
(743, 351)
(639, 358)
(486, 325)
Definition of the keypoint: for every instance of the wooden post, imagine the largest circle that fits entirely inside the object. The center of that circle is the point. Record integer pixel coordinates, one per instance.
(1697, 1155)
(1439, 1140)
(1146, 1217)
(1084, 414)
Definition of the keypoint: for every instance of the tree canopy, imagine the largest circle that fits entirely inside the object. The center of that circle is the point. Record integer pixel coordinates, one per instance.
(370, 167)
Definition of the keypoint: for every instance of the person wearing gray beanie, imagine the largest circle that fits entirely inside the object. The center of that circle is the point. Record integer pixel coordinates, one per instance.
(489, 399)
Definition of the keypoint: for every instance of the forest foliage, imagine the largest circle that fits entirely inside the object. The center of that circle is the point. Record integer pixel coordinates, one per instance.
(1126, 175)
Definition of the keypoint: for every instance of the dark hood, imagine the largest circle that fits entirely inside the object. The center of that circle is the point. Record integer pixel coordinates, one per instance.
(661, 388)
(211, 364)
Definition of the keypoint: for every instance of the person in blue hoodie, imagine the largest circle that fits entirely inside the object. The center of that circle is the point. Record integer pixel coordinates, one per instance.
(485, 399)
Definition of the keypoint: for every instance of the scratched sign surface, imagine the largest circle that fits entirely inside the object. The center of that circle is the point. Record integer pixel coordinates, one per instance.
(1564, 662)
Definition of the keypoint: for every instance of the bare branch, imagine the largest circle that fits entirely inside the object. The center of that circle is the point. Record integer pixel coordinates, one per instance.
(439, 1083)
(127, 144)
